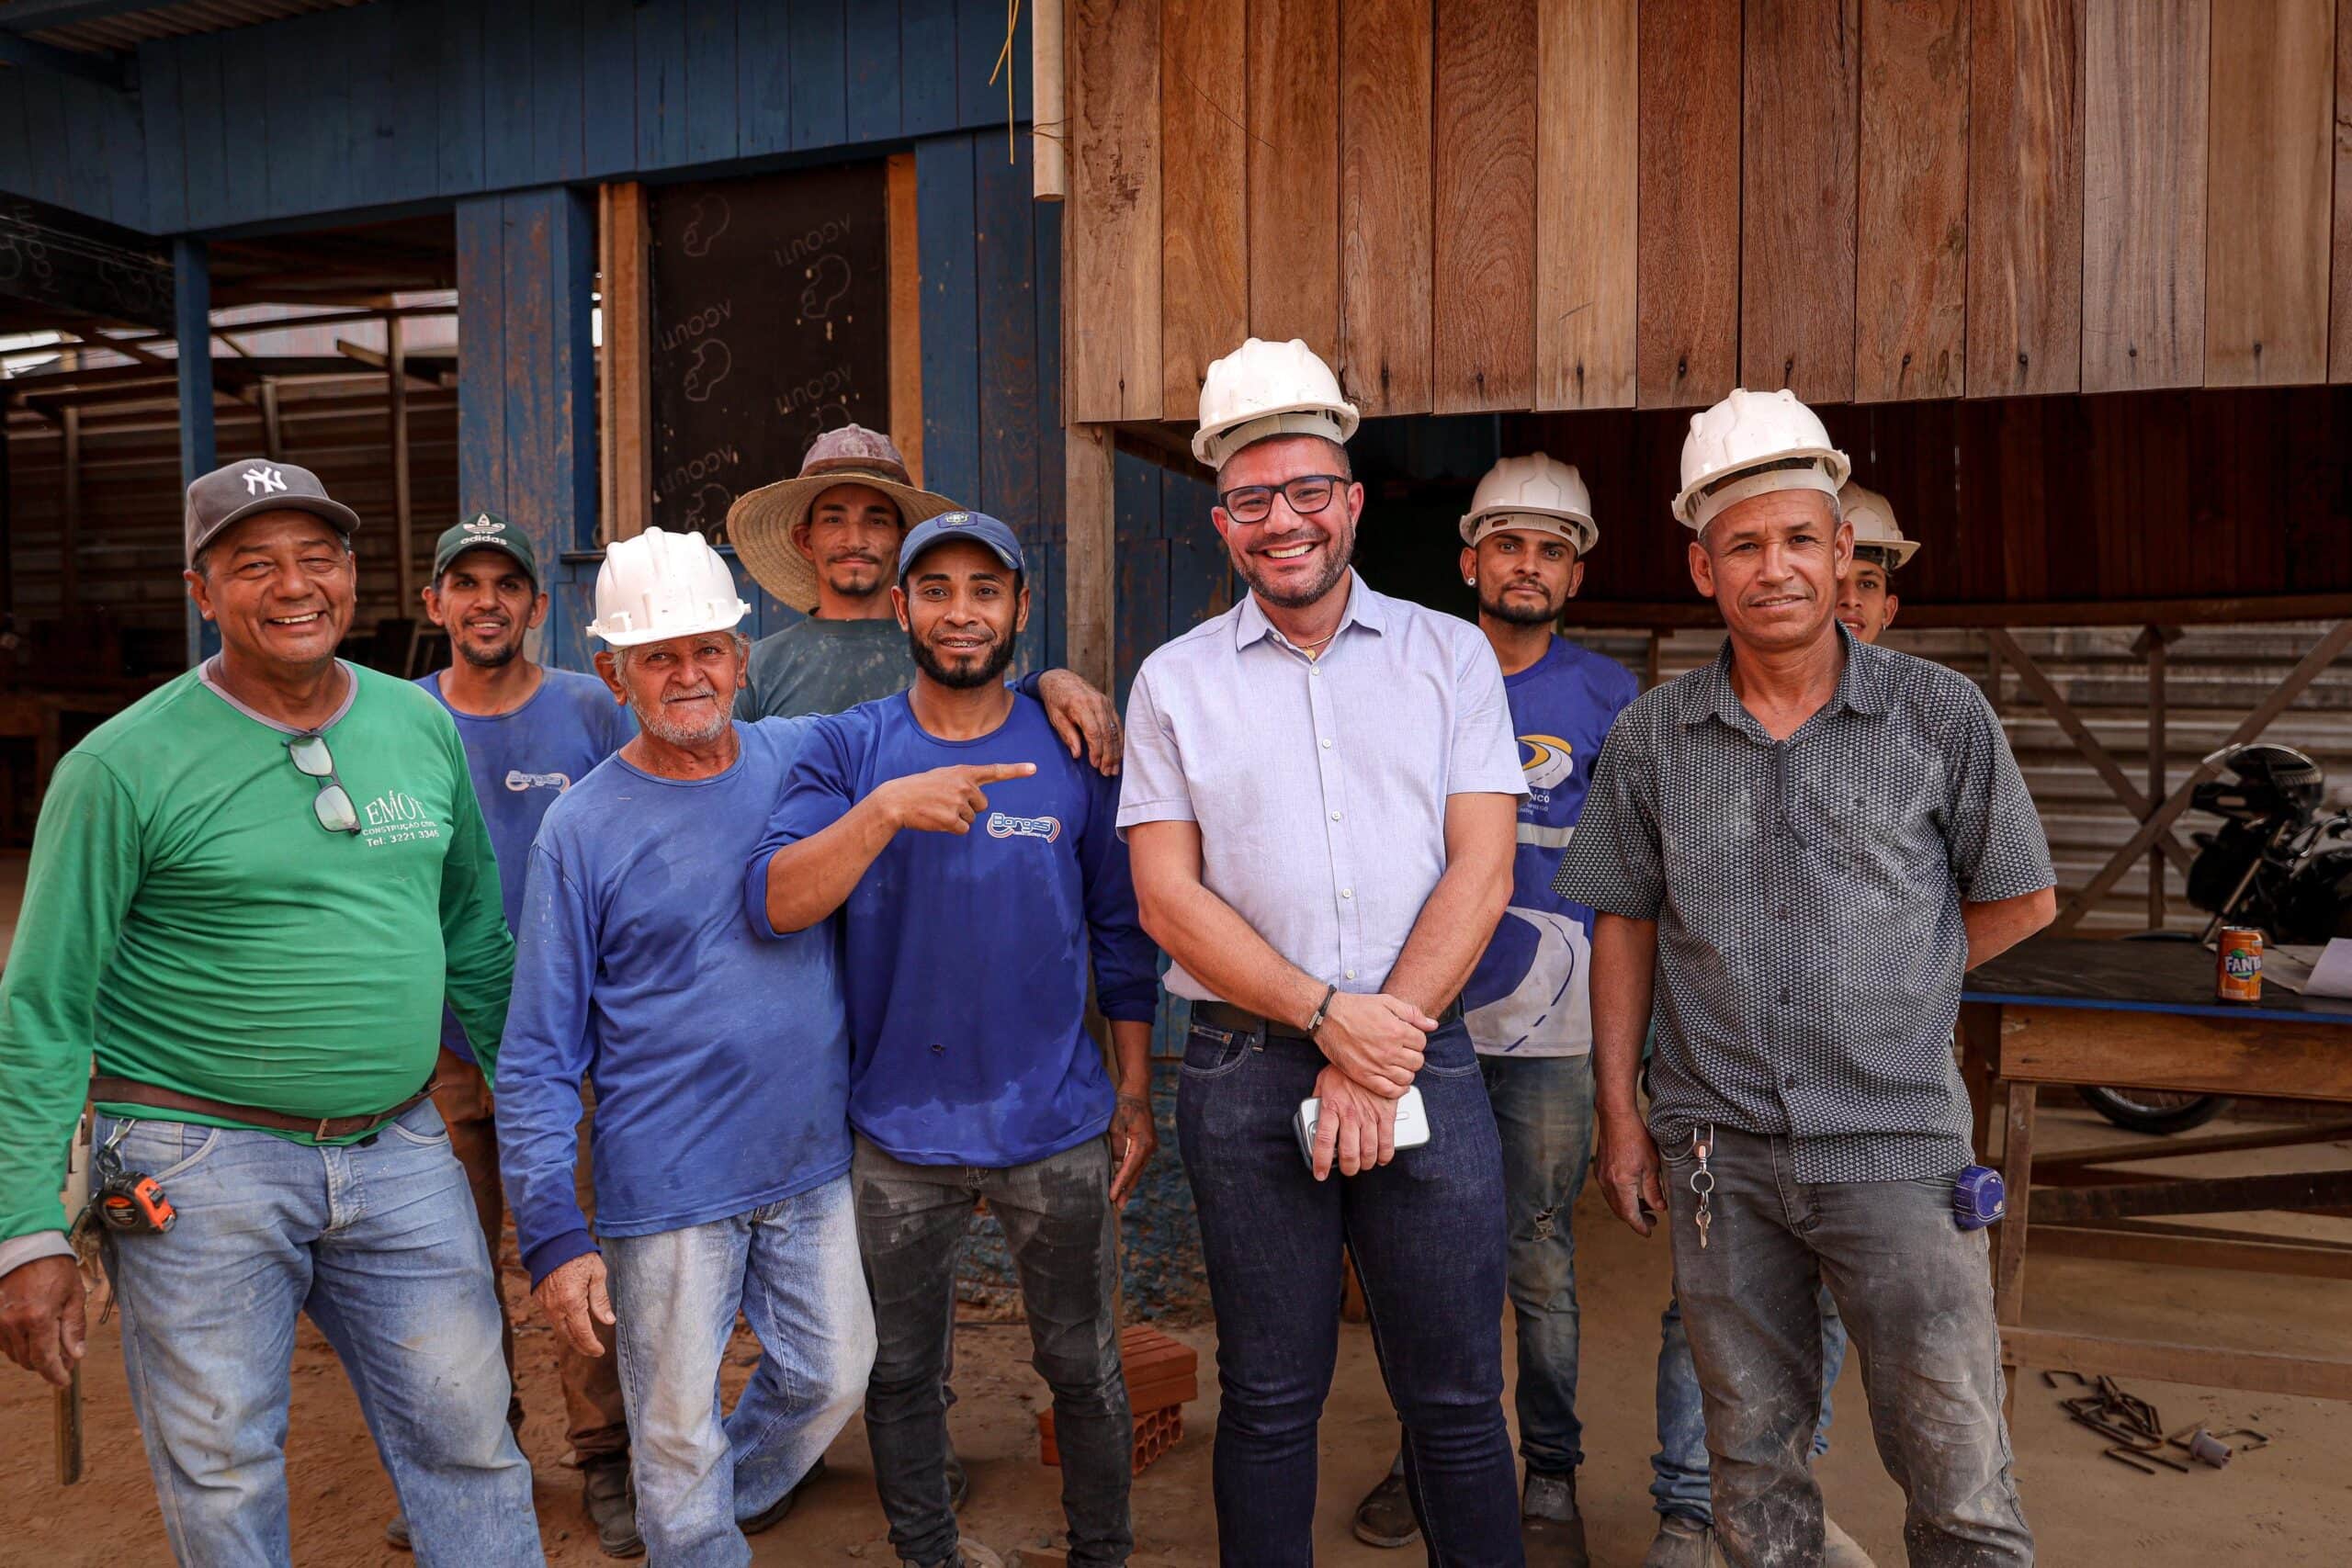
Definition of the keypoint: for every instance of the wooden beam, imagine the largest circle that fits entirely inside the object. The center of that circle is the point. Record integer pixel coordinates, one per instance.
(1587, 190)
(2192, 1148)
(192, 323)
(2255, 1371)
(2017, 1174)
(2181, 1246)
(2184, 1053)
(1483, 276)
(1089, 564)
(403, 508)
(2025, 198)
(116, 72)
(2145, 78)
(2339, 315)
(2267, 224)
(2338, 636)
(625, 502)
(1386, 249)
(1292, 72)
(1799, 109)
(1700, 613)
(1911, 247)
(2302, 1190)
(1111, 238)
(1687, 340)
(2045, 692)
(1204, 180)
(1049, 164)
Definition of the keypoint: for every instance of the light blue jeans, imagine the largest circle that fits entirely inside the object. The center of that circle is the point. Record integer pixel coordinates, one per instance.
(376, 1242)
(1678, 1485)
(791, 1268)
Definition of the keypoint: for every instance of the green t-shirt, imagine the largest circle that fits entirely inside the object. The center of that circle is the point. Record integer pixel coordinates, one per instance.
(187, 918)
(819, 666)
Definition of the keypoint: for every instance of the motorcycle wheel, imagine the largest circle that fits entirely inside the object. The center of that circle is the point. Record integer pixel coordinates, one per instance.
(2154, 1111)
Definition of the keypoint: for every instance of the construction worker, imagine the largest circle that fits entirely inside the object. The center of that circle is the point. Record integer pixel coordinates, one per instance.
(1801, 845)
(1524, 541)
(1320, 798)
(529, 733)
(975, 938)
(721, 1070)
(826, 543)
(1678, 1482)
(249, 894)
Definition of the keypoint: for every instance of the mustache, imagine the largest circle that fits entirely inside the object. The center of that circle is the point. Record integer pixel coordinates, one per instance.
(705, 691)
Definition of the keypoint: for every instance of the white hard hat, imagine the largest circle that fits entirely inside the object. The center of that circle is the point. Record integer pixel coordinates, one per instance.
(1750, 443)
(1269, 389)
(1875, 525)
(660, 585)
(1535, 492)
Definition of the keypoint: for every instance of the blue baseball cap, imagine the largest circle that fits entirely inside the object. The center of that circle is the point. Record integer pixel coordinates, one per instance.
(977, 526)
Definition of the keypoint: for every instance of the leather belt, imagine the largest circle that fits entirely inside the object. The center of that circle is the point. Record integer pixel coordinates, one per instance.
(321, 1129)
(1241, 1020)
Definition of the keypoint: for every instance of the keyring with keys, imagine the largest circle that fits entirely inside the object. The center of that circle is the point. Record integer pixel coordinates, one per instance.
(1703, 1180)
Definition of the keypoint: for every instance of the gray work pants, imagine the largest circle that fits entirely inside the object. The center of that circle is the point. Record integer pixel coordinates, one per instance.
(1917, 1295)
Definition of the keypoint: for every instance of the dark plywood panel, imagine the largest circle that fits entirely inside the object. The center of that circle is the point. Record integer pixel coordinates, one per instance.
(205, 151)
(1111, 354)
(948, 218)
(2271, 154)
(763, 79)
(818, 30)
(1483, 356)
(1293, 116)
(1003, 235)
(2025, 197)
(2145, 65)
(165, 141)
(1797, 189)
(302, 121)
(1588, 179)
(1911, 257)
(1205, 168)
(2339, 353)
(1386, 246)
(1687, 341)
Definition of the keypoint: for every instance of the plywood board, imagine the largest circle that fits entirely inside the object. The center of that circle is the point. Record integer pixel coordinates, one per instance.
(1294, 119)
(1687, 345)
(2144, 80)
(2339, 355)
(1205, 171)
(1483, 279)
(1798, 112)
(1587, 181)
(1385, 211)
(2025, 198)
(1111, 354)
(1911, 252)
(2271, 152)
(906, 312)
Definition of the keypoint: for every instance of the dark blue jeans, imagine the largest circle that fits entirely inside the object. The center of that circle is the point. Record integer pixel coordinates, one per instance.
(1428, 1234)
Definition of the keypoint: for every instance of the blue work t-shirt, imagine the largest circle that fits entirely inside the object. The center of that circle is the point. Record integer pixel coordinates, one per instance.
(521, 761)
(1531, 994)
(963, 957)
(720, 1061)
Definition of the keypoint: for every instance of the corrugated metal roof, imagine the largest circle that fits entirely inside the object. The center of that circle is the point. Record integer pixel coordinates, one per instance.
(123, 31)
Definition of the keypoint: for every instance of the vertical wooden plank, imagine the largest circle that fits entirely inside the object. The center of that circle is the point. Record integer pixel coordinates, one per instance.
(1110, 355)
(202, 114)
(1686, 344)
(1482, 350)
(507, 107)
(192, 327)
(874, 71)
(661, 108)
(2266, 226)
(1385, 247)
(927, 70)
(819, 74)
(1911, 255)
(2025, 198)
(625, 237)
(945, 219)
(559, 133)
(1088, 560)
(1294, 119)
(1204, 235)
(1047, 161)
(1142, 602)
(1047, 219)
(608, 85)
(711, 65)
(459, 107)
(979, 42)
(165, 139)
(764, 78)
(2146, 66)
(1007, 335)
(1797, 180)
(481, 321)
(303, 118)
(1587, 182)
(409, 149)
(2339, 355)
(906, 312)
(371, 122)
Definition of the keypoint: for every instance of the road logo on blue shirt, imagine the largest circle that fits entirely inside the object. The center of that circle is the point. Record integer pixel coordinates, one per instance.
(518, 781)
(1548, 762)
(1002, 827)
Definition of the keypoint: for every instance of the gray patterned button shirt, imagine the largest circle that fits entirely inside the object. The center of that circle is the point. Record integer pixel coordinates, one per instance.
(1808, 895)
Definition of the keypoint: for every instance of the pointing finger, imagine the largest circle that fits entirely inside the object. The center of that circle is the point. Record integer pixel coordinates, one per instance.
(997, 773)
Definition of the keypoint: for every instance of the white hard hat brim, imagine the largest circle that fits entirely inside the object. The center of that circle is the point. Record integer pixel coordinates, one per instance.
(1898, 551)
(1574, 526)
(1212, 444)
(721, 619)
(1699, 501)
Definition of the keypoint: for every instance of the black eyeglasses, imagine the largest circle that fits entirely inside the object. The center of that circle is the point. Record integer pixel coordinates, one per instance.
(332, 805)
(1308, 494)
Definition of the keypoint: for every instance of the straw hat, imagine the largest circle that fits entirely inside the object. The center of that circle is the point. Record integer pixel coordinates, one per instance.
(760, 525)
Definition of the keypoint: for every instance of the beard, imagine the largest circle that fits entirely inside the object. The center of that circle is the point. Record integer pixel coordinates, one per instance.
(1335, 566)
(988, 672)
(659, 723)
(1511, 612)
(489, 658)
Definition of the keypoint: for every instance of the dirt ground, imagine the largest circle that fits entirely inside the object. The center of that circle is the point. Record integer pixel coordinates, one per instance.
(2286, 1506)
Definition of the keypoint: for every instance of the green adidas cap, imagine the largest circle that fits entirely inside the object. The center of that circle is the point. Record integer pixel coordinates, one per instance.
(484, 531)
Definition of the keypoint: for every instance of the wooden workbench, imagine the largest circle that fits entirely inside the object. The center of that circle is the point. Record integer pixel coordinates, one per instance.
(2144, 1015)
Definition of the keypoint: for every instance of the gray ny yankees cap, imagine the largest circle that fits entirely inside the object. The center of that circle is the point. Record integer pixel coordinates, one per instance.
(237, 491)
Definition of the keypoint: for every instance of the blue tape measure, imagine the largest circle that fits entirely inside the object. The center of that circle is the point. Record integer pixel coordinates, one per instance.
(1978, 1198)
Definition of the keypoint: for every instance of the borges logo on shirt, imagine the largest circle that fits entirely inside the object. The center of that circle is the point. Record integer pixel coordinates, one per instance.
(1003, 826)
(518, 781)
(1547, 761)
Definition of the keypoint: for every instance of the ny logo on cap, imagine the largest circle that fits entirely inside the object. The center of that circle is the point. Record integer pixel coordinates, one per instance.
(261, 481)
(483, 525)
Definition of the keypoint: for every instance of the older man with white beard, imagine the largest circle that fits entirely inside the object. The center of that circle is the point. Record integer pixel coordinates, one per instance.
(721, 1064)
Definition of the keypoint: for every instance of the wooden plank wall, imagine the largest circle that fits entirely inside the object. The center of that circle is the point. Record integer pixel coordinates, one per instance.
(428, 100)
(1505, 205)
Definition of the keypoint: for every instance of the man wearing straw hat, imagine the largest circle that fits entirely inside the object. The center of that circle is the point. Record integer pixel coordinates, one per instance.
(826, 543)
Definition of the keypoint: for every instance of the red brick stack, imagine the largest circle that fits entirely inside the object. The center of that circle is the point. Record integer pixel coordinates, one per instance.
(1163, 1375)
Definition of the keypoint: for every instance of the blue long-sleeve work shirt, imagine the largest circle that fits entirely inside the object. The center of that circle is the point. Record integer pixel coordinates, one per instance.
(720, 1061)
(963, 957)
